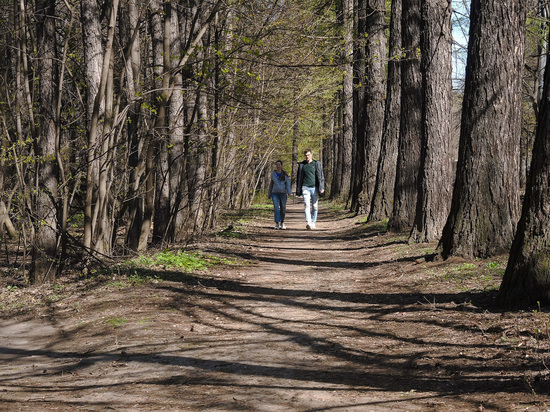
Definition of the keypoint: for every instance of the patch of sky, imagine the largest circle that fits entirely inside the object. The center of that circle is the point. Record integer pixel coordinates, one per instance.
(461, 25)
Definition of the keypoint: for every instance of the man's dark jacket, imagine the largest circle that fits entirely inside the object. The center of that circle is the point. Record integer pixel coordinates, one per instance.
(319, 177)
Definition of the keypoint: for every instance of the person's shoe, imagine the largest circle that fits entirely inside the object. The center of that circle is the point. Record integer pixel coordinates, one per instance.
(277, 225)
(312, 225)
(283, 226)
(308, 226)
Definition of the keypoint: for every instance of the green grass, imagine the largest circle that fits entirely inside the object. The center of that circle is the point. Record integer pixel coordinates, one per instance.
(231, 233)
(245, 216)
(116, 322)
(181, 260)
(474, 276)
(170, 265)
(380, 226)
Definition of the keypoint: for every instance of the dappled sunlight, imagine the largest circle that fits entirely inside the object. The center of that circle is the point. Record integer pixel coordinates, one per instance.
(343, 317)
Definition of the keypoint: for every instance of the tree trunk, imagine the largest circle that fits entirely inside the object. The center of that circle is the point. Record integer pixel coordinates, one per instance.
(410, 135)
(342, 190)
(485, 205)
(335, 187)
(93, 69)
(162, 52)
(133, 203)
(176, 120)
(294, 170)
(527, 277)
(198, 164)
(6, 224)
(44, 264)
(436, 180)
(382, 201)
(95, 132)
(370, 113)
(328, 152)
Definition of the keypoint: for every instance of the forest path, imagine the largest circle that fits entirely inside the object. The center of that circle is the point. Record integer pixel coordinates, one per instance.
(333, 319)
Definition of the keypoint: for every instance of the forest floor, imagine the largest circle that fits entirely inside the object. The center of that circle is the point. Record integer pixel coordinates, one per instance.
(342, 318)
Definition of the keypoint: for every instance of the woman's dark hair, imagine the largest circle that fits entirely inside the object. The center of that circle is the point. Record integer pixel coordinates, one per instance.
(283, 173)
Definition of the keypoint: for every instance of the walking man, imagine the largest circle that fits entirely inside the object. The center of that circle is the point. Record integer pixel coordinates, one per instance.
(310, 183)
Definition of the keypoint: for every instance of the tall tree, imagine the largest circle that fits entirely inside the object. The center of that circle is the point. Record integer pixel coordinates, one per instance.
(295, 136)
(93, 65)
(527, 277)
(410, 133)
(132, 210)
(485, 206)
(370, 100)
(158, 171)
(437, 174)
(341, 187)
(44, 264)
(97, 237)
(382, 201)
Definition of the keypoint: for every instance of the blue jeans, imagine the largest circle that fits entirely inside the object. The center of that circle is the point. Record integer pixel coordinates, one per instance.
(279, 206)
(311, 199)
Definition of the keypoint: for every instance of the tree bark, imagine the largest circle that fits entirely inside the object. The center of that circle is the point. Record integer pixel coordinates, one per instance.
(436, 179)
(335, 187)
(294, 170)
(44, 257)
(382, 201)
(410, 134)
(95, 133)
(133, 204)
(6, 224)
(527, 277)
(176, 121)
(342, 188)
(162, 29)
(485, 205)
(93, 68)
(370, 110)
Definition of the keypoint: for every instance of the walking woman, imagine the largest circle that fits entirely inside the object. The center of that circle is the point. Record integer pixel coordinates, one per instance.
(279, 188)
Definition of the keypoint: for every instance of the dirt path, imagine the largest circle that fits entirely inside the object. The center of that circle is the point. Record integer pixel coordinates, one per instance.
(336, 319)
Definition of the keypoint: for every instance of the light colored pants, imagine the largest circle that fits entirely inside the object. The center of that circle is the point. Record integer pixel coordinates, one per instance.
(279, 206)
(311, 200)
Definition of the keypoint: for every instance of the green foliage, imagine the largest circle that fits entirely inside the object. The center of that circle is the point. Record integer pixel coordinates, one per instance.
(187, 261)
(493, 265)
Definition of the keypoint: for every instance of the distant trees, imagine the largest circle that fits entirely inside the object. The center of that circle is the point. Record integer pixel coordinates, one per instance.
(126, 124)
(131, 123)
